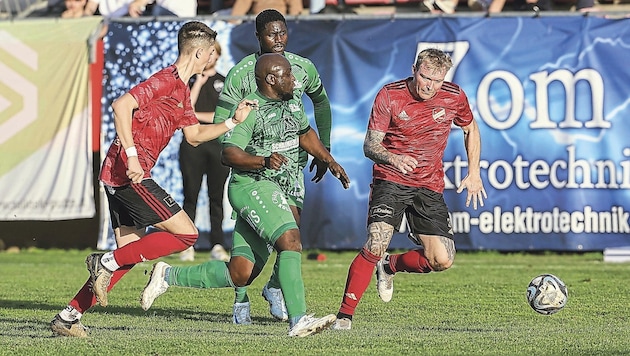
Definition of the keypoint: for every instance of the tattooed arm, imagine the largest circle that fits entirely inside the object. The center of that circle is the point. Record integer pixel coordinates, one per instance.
(374, 150)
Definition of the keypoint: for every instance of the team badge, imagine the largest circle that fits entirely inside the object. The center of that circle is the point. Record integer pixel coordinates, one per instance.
(439, 115)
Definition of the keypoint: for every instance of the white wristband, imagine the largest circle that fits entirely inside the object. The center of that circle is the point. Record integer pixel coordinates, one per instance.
(230, 124)
(131, 151)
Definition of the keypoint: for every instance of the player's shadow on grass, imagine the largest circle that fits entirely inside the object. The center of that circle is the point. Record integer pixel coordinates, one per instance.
(33, 326)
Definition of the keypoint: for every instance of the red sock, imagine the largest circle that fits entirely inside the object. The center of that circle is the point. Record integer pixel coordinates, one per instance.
(412, 261)
(359, 277)
(85, 299)
(154, 245)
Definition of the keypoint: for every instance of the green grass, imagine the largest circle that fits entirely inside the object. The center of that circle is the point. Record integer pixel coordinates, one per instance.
(475, 308)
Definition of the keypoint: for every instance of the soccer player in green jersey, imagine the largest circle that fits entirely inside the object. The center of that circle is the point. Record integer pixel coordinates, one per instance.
(272, 34)
(263, 152)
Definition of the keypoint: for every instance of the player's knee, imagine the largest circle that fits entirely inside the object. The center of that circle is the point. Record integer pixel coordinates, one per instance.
(187, 239)
(240, 278)
(441, 263)
(289, 241)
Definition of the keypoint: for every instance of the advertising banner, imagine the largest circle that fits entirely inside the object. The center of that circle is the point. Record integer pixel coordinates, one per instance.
(549, 94)
(45, 127)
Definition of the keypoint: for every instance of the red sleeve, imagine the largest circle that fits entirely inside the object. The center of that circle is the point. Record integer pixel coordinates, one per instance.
(464, 114)
(154, 87)
(380, 116)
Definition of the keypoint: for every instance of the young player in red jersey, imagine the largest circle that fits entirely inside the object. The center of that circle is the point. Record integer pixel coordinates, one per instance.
(406, 138)
(146, 118)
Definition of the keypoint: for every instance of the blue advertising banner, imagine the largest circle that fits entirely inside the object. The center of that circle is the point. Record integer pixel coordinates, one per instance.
(549, 95)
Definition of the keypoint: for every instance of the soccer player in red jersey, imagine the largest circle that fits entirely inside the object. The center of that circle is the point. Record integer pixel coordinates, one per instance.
(406, 138)
(146, 118)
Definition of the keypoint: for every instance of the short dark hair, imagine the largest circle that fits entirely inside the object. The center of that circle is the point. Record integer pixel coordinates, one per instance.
(266, 17)
(194, 34)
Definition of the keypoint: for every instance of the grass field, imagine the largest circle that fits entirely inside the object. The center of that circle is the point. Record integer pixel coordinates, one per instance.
(475, 308)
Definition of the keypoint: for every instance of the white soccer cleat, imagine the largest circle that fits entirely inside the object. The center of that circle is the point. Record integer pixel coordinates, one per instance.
(384, 280)
(156, 286)
(342, 324)
(309, 325)
(218, 253)
(274, 297)
(188, 255)
(240, 314)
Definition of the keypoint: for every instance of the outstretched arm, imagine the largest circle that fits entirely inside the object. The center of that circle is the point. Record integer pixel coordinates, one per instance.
(311, 144)
(472, 182)
(197, 134)
(323, 121)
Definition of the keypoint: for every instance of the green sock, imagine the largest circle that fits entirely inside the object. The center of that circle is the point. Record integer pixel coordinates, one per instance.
(274, 281)
(290, 276)
(241, 295)
(212, 274)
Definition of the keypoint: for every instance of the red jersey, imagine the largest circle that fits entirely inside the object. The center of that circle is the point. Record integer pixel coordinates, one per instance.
(417, 128)
(164, 106)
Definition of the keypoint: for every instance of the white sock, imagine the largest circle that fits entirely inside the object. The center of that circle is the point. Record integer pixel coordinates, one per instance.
(70, 314)
(109, 261)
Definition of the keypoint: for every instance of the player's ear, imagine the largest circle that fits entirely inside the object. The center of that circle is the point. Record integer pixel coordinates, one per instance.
(198, 53)
(270, 79)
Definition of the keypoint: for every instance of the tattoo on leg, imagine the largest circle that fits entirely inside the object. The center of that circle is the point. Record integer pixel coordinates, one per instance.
(379, 236)
(449, 245)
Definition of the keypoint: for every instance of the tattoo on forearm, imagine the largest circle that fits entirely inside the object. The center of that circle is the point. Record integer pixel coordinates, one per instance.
(379, 236)
(373, 147)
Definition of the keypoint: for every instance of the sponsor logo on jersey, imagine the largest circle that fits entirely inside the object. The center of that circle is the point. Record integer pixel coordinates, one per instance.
(287, 145)
(294, 107)
(403, 116)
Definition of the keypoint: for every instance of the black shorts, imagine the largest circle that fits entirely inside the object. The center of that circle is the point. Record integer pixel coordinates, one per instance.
(426, 210)
(140, 205)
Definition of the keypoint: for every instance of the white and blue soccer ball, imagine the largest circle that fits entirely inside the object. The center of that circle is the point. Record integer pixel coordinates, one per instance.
(547, 294)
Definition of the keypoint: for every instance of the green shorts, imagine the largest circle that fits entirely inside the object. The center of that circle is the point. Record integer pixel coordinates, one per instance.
(263, 215)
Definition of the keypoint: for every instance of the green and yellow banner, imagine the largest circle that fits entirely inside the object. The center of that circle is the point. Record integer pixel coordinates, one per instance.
(45, 123)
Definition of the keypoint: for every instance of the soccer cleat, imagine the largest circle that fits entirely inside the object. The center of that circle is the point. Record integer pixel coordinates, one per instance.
(274, 297)
(240, 314)
(60, 327)
(100, 277)
(342, 324)
(384, 280)
(156, 286)
(309, 325)
(218, 253)
(188, 255)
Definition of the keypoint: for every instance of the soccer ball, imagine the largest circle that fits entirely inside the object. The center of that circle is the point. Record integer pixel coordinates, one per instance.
(547, 294)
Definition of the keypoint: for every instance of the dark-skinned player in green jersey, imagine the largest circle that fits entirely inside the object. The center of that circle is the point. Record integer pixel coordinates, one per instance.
(264, 153)
(272, 35)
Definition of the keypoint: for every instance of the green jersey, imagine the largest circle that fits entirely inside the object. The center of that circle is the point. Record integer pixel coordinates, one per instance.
(241, 81)
(274, 127)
